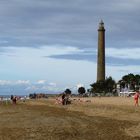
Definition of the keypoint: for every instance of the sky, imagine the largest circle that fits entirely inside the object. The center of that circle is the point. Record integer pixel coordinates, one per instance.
(50, 45)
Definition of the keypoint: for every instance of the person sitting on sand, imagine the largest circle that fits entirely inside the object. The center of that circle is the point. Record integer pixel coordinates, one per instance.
(14, 100)
(63, 99)
(136, 98)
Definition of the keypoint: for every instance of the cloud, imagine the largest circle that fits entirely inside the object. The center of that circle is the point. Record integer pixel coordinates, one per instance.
(74, 23)
(5, 82)
(41, 81)
(114, 56)
(46, 88)
(80, 85)
(31, 88)
(3, 41)
(75, 57)
(21, 87)
(22, 82)
(52, 84)
(51, 89)
(123, 53)
(18, 82)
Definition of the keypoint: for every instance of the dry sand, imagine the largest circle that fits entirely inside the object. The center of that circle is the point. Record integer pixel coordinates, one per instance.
(109, 118)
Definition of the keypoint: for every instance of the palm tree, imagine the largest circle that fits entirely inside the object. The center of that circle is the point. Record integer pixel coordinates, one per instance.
(132, 80)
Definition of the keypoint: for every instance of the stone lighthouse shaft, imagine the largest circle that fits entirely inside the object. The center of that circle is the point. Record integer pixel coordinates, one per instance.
(101, 52)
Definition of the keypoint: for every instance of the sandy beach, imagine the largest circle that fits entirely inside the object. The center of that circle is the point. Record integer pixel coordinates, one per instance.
(105, 118)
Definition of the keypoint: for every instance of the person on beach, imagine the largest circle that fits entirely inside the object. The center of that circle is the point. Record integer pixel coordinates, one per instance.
(136, 98)
(13, 99)
(63, 99)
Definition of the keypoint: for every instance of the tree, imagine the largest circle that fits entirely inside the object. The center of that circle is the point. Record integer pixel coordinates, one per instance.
(103, 87)
(137, 79)
(130, 79)
(98, 87)
(67, 91)
(110, 84)
(32, 96)
(81, 90)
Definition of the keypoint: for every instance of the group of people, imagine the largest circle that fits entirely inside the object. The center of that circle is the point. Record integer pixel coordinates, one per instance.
(65, 98)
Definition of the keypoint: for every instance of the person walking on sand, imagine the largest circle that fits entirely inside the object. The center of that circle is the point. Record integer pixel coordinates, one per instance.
(136, 98)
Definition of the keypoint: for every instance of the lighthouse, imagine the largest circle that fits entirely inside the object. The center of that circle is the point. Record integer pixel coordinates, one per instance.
(101, 52)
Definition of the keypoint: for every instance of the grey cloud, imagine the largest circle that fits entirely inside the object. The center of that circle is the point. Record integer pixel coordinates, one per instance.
(84, 57)
(36, 22)
(93, 58)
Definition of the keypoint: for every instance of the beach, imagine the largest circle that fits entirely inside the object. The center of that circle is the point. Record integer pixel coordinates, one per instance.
(96, 118)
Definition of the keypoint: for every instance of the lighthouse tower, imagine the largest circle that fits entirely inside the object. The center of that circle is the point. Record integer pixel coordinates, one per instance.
(101, 53)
